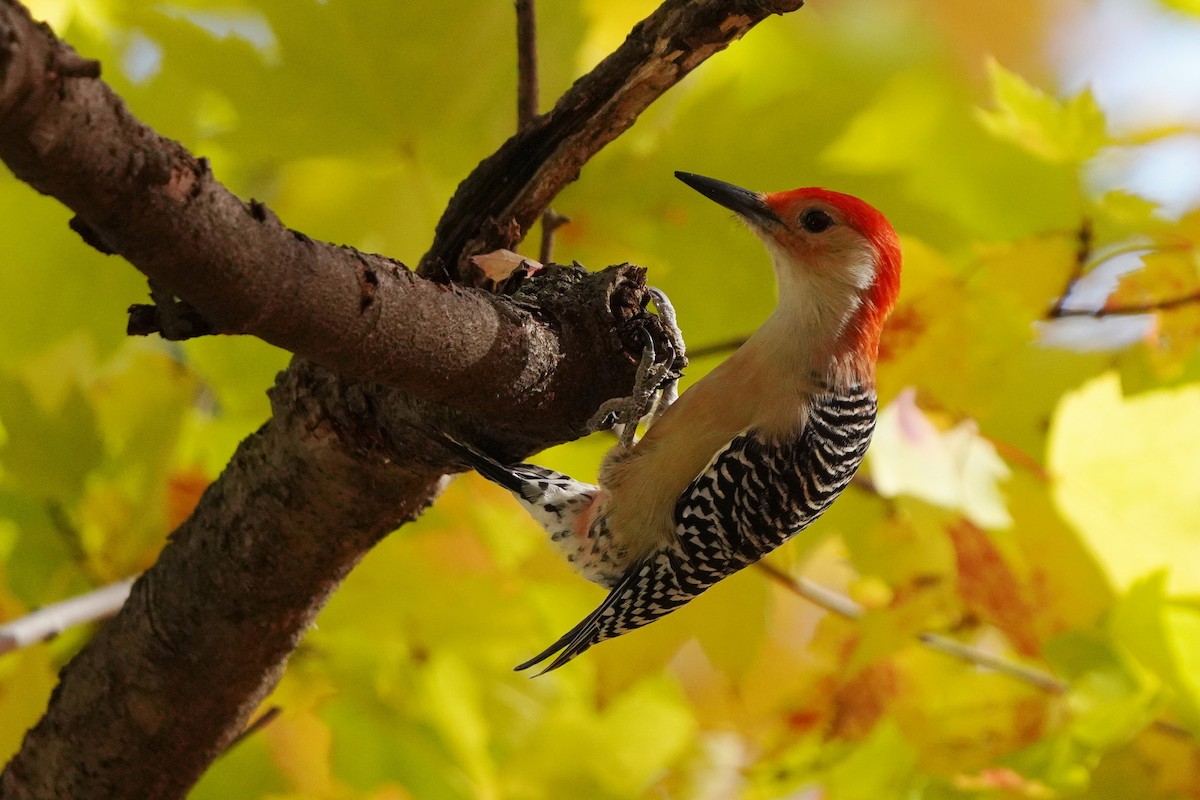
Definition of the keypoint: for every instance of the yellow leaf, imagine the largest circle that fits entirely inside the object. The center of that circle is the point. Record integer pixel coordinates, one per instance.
(645, 729)
(300, 743)
(1124, 474)
(1058, 131)
(453, 704)
(1186, 6)
(1025, 277)
(25, 682)
(1165, 637)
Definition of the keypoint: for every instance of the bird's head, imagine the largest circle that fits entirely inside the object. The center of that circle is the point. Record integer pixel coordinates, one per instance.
(836, 257)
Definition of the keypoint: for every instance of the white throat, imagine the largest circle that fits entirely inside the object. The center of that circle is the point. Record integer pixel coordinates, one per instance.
(815, 306)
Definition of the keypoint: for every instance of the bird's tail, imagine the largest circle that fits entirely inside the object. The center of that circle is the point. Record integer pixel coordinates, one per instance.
(486, 466)
(651, 588)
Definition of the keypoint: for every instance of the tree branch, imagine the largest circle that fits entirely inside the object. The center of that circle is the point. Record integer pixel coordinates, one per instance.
(496, 206)
(243, 271)
(207, 629)
(527, 65)
(1133, 309)
(1084, 239)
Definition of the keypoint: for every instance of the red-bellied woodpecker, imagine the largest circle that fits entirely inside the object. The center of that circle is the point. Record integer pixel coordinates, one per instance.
(752, 453)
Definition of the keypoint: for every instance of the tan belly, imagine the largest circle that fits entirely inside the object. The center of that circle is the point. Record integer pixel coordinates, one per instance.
(644, 483)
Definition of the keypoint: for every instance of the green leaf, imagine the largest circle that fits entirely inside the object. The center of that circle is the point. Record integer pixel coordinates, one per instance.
(1111, 699)
(882, 766)
(49, 452)
(1164, 637)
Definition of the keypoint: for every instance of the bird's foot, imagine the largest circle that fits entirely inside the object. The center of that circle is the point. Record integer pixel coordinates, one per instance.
(654, 387)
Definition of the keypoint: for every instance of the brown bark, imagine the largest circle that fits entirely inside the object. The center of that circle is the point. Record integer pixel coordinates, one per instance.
(385, 358)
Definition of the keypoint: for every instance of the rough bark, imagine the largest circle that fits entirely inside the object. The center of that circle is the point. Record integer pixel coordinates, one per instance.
(385, 358)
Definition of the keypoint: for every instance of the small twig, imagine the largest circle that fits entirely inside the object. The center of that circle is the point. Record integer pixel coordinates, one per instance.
(527, 67)
(1129, 310)
(551, 221)
(845, 607)
(46, 623)
(980, 658)
(705, 350)
(70, 64)
(71, 538)
(1083, 253)
(263, 720)
(527, 107)
(174, 320)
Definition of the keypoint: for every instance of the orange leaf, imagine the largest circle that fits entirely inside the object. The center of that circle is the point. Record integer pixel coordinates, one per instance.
(990, 589)
(860, 702)
(184, 488)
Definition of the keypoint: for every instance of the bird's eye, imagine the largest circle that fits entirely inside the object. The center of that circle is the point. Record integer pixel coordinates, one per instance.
(815, 220)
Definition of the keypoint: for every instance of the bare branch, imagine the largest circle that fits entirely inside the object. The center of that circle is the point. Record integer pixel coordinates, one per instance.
(845, 607)
(527, 66)
(527, 107)
(1133, 309)
(1085, 238)
(520, 180)
(260, 722)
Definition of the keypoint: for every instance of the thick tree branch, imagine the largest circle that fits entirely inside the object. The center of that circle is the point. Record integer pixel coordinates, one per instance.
(170, 681)
(148, 199)
(513, 186)
(173, 678)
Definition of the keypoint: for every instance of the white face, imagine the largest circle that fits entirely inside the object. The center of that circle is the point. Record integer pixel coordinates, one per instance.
(824, 266)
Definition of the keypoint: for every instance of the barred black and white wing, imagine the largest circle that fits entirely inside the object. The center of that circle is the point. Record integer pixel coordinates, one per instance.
(755, 495)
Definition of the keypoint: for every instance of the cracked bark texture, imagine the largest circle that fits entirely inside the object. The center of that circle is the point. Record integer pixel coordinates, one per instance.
(384, 356)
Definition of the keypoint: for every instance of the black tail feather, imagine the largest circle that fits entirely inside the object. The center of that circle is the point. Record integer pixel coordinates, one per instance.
(485, 465)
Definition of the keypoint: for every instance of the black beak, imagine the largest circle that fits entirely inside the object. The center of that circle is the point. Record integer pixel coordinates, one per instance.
(750, 205)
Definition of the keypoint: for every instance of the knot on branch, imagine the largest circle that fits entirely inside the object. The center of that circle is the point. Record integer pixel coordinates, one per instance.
(170, 317)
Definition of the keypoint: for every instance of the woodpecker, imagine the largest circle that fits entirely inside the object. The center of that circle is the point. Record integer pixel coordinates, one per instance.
(755, 450)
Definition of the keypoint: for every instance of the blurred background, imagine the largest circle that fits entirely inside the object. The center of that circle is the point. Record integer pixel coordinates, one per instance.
(1033, 491)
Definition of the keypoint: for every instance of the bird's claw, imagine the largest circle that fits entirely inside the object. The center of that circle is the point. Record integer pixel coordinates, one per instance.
(655, 386)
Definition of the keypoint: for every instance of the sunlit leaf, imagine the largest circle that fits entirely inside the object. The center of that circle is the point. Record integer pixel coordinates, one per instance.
(1119, 469)
(882, 766)
(1070, 131)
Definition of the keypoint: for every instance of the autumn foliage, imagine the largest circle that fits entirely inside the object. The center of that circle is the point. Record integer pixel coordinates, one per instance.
(1031, 493)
